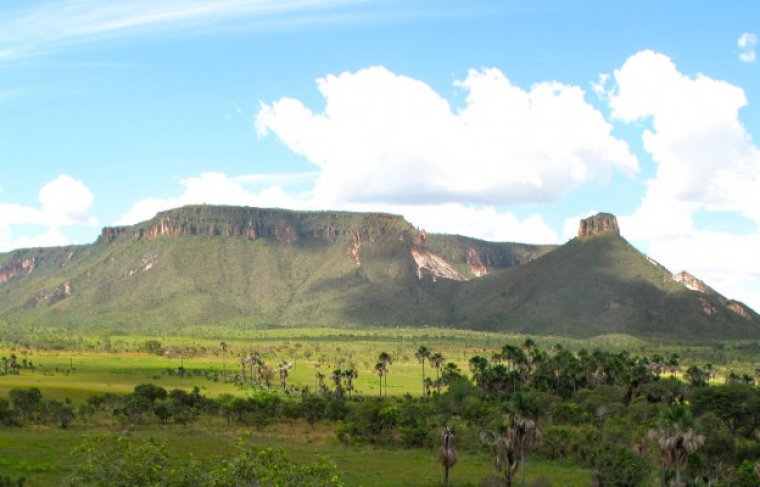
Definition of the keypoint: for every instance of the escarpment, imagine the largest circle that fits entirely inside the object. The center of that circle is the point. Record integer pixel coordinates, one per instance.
(284, 226)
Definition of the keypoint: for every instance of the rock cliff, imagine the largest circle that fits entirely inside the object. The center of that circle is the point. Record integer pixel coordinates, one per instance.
(597, 225)
(16, 268)
(254, 223)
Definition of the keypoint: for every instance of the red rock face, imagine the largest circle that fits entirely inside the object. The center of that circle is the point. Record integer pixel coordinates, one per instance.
(691, 282)
(597, 225)
(19, 267)
(476, 263)
(738, 309)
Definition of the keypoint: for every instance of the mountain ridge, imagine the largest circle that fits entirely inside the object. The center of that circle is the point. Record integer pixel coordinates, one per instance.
(205, 264)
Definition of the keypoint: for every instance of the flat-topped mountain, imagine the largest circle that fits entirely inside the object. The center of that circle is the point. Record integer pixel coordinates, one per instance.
(203, 265)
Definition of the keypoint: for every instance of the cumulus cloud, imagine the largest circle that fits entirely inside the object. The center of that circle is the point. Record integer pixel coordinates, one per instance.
(388, 138)
(706, 161)
(64, 201)
(747, 43)
(705, 157)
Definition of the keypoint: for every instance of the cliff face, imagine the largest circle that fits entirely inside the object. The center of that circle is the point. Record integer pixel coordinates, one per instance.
(430, 264)
(290, 227)
(254, 223)
(597, 225)
(16, 267)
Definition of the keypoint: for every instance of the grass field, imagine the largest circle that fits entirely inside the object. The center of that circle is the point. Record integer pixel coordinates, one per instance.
(43, 455)
(79, 374)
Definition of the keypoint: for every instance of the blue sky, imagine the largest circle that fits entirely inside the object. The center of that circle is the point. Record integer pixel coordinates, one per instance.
(504, 120)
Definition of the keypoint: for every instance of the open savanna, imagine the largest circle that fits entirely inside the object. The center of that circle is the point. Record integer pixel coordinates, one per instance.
(44, 455)
(76, 367)
(83, 368)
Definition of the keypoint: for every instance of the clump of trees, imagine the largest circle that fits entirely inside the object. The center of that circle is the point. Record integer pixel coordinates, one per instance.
(630, 419)
(116, 461)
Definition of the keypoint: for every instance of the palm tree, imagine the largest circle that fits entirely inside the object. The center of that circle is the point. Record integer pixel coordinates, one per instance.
(243, 362)
(428, 385)
(223, 346)
(446, 454)
(337, 378)
(317, 365)
(503, 444)
(437, 360)
(283, 371)
(319, 379)
(676, 439)
(386, 359)
(350, 375)
(422, 354)
(526, 438)
(380, 370)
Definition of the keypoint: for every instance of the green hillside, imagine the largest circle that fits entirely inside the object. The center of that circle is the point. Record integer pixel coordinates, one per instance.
(251, 267)
(596, 286)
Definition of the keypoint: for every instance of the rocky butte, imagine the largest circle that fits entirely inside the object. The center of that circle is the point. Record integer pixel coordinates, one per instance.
(597, 225)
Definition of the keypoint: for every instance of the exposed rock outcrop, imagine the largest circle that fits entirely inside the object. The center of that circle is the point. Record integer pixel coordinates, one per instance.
(739, 309)
(16, 268)
(477, 267)
(691, 282)
(60, 292)
(434, 266)
(254, 223)
(352, 251)
(597, 225)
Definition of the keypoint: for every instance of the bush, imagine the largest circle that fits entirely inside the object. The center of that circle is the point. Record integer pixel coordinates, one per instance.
(616, 466)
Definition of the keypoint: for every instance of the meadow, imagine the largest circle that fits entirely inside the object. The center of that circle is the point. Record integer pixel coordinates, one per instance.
(83, 366)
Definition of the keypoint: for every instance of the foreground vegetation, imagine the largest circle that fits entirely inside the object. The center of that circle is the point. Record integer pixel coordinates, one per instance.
(375, 403)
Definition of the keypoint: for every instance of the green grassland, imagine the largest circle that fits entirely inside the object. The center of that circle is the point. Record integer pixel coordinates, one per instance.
(43, 455)
(83, 368)
(118, 371)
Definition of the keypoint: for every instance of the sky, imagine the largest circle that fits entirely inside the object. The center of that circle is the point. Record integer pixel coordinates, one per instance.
(503, 120)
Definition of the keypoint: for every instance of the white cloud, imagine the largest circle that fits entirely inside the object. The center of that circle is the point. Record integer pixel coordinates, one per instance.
(389, 138)
(64, 201)
(706, 161)
(747, 43)
(486, 223)
(705, 157)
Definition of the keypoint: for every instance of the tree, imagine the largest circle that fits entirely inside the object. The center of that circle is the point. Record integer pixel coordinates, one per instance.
(26, 401)
(437, 360)
(121, 462)
(386, 360)
(313, 409)
(380, 371)
(350, 374)
(446, 454)
(57, 412)
(422, 354)
(223, 347)
(676, 439)
(526, 438)
(151, 392)
(337, 378)
(283, 371)
(618, 466)
(502, 442)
